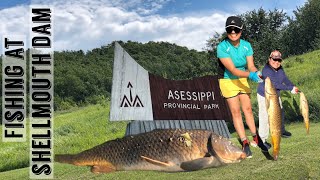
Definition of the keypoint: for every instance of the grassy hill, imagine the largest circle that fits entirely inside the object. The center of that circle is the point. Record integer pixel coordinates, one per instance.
(73, 131)
(83, 128)
(304, 72)
(87, 127)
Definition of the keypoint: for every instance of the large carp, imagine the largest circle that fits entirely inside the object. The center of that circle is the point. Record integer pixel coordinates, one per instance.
(274, 116)
(304, 109)
(160, 150)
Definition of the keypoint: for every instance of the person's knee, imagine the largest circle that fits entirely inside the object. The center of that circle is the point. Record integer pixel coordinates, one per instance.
(247, 110)
(235, 111)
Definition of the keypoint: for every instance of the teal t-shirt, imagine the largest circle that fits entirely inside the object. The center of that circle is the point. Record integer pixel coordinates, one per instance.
(237, 54)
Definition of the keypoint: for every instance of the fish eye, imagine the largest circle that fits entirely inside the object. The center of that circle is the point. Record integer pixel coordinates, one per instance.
(181, 138)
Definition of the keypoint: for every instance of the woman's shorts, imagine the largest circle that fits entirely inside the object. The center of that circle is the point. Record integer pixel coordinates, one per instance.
(232, 87)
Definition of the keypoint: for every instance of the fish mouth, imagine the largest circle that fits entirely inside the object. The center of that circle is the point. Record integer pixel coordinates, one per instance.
(225, 150)
(230, 160)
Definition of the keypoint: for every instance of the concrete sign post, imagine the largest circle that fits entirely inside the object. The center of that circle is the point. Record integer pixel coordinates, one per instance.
(130, 94)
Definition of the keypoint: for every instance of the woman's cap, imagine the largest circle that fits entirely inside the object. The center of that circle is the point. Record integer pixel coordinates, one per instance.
(275, 54)
(234, 21)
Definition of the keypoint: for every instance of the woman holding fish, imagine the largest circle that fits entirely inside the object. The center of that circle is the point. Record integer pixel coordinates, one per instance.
(235, 59)
(280, 81)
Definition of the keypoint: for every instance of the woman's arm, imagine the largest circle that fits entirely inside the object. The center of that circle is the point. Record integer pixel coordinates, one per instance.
(228, 64)
(251, 66)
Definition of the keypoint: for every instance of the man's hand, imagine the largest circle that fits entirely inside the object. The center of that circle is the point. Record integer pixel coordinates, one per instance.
(294, 90)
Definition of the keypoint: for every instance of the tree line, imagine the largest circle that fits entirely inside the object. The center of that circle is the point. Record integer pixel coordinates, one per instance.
(86, 78)
(274, 29)
(82, 78)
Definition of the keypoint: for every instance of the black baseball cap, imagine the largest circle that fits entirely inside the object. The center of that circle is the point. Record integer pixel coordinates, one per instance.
(234, 21)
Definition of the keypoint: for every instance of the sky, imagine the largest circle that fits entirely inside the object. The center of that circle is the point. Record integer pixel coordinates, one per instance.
(88, 24)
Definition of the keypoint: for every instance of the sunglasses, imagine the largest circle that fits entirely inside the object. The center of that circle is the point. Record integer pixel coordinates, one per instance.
(235, 29)
(278, 60)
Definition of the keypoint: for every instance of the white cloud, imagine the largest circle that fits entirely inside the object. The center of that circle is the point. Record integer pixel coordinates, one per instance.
(14, 20)
(189, 31)
(143, 7)
(87, 24)
(82, 26)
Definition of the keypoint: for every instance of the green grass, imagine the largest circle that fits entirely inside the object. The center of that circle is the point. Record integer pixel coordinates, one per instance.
(304, 72)
(88, 127)
(83, 128)
(73, 132)
(299, 159)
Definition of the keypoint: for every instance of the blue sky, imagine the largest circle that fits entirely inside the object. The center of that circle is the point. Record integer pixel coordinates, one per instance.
(181, 7)
(11, 3)
(88, 24)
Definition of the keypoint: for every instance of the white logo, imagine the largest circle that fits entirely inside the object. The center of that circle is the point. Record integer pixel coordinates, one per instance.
(233, 22)
(136, 102)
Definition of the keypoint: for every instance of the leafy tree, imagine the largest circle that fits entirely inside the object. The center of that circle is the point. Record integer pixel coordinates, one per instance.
(261, 28)
(169, 60)
(82, 78)
(302, 33)
(211, 48)
(264, 30)
(86, 77)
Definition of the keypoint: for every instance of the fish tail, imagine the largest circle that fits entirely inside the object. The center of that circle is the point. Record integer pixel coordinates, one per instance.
(78, 160)
(307, 127)
(75, 159)
(64, 158)
(276, 146)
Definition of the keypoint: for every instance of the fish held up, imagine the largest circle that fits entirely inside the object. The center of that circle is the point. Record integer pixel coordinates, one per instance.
(304, 109)
(274, 116)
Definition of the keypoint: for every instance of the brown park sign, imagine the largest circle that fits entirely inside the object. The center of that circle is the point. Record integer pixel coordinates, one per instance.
(196, 99)
(139, 95)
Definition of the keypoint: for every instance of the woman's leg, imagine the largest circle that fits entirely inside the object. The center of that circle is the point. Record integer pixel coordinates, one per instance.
(234, 106)
(247, 110)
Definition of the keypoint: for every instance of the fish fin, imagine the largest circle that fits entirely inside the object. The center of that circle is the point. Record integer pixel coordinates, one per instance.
(201, 163)
(102, 169)
(156, 162)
